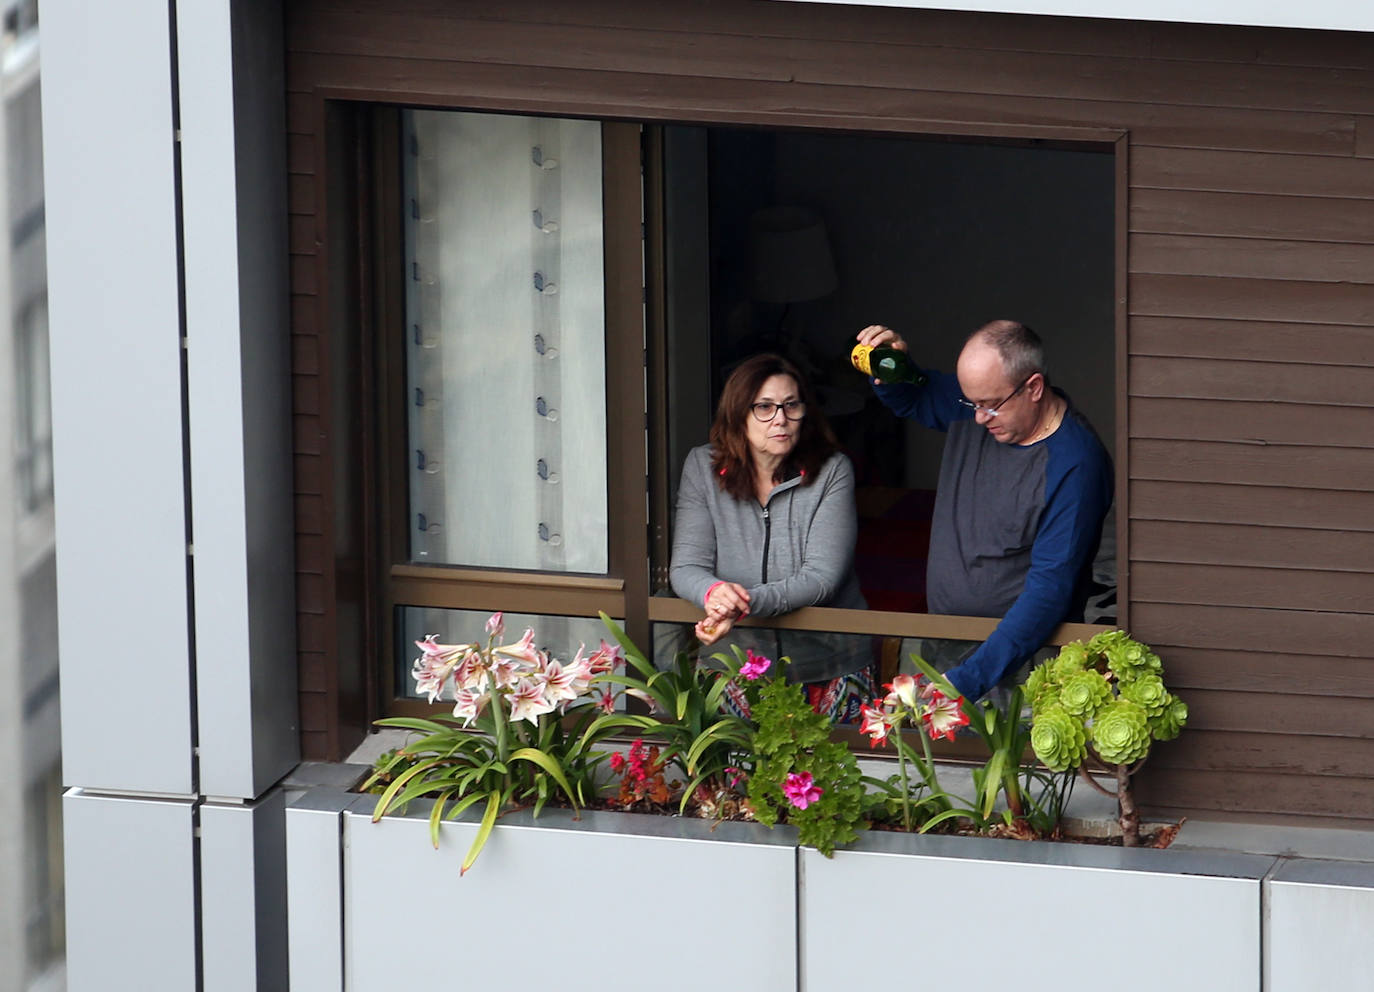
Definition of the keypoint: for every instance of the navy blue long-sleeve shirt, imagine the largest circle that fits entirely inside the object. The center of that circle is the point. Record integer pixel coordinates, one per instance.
(1015, 527)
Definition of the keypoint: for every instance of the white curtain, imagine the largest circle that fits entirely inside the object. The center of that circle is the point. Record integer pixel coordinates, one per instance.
(505, 342)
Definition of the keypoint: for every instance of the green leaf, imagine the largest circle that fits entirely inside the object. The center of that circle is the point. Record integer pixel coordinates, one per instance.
(494, 801)
(385, 802)
(940, 818)
(435, 815)
(549, 765)
(992, 781)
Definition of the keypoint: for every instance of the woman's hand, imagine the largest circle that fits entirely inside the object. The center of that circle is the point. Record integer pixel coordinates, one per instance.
(726, 601)
(709, 631)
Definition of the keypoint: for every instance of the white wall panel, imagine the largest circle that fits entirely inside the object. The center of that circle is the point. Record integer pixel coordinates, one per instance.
(243, 895)
(116, 395)
(1319, 916)
(131, 900)
(233, 166)
(314, 849)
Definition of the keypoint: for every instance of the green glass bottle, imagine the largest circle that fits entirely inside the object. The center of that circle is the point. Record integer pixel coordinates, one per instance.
(888, 365)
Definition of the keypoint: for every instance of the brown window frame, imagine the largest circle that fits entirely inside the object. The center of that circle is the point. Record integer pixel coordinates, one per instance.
(633, 225)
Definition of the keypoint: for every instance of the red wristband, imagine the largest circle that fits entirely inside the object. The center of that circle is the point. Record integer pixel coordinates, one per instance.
(710, 589)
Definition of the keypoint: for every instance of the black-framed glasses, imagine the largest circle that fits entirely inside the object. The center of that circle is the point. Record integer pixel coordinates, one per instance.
(991, 411)
(765, 411)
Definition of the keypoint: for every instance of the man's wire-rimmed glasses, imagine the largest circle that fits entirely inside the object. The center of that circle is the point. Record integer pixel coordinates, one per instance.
(992, 411)
(766, 411)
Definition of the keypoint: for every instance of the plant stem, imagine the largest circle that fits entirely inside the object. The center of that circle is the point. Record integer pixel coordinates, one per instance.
(1130, 817)
(906, 788)
(929, 772)
(1083, 774)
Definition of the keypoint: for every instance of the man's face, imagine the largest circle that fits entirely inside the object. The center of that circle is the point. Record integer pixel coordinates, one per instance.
(985, 382)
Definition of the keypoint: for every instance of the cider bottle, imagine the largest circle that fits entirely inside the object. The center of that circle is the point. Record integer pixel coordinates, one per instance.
(888, 365)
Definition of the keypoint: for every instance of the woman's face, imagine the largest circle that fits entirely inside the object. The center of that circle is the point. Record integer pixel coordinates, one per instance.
(777, 436)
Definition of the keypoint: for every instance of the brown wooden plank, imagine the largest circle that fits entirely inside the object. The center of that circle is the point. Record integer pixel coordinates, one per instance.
(308, 435)
(305, 354)
(309, 474)
(312, 671)
(1223, 585)
(1252, 258)
(304, 315)
(1270, 549)
(761, 20)
(1300, 632)
(300, 154)
(684, 98)
(1250, 172)
(312, 594)
(1000, 32)
(1288, 754)
(300, 113)
(311, 634)
(315, 709)
(1276, 382)
(1252, 464)
(918, 65)
(1252, 215)
(300, 196)
(1272, 423)
(1193, 337)
(305, 394)
(1188, 668)
(1364, 137)
(303, 282)
(1251, 299)
(301, 233)
(309, 514)
(1272, 505)
(1321, 798)
(1280, 714)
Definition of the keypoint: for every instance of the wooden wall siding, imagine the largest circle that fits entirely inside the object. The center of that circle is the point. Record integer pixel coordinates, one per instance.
(1249, 298)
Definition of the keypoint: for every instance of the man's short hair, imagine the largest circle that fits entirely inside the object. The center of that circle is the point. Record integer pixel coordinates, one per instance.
(1021, 350)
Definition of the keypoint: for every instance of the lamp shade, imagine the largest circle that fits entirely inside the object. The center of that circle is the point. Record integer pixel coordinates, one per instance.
(790, 256)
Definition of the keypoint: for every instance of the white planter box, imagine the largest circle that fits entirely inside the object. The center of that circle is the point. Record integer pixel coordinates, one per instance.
(1030, 916)
(655, 902)
(1319, 916)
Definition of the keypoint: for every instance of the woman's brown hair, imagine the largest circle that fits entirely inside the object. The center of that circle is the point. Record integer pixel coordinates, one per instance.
(730, 456)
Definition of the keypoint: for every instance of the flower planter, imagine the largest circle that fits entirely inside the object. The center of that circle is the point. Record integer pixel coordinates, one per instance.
(662, 902)
(1034, 916)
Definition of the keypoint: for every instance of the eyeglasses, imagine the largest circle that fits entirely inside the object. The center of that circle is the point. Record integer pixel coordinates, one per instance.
(791, 410)
(992, 411)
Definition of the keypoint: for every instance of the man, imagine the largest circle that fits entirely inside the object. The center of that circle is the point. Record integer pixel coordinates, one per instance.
(1024, 486)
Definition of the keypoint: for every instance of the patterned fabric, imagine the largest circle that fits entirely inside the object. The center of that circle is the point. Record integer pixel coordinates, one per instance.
(838, 698)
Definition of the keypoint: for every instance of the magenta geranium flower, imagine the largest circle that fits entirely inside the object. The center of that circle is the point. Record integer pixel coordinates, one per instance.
(801, 789)
(755, 665)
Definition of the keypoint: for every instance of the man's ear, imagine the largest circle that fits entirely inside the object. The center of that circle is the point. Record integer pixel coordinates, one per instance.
(1036, 387)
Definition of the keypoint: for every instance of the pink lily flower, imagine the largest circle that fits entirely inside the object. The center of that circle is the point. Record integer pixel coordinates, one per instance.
(496, 624)
(528, 701)
(801, 789)
(876, 724)
(605, 700)
(755, 665)
(472, 673)
(943, 716)
(559, 683)
(435, 664)
(605, 659)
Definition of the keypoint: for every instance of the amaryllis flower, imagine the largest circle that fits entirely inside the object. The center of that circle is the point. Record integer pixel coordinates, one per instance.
(642, 695)
(876, 724)
(505, 672)
(605, 659)
(559, 683)
(528, 702)
(605, 700)
(903, 692)
(755, 665)
(472, 673)
(469, 703)
(435, 664)
(801, 789)
(496, 625)
(943, 716)
(522, 649)
(579, 672)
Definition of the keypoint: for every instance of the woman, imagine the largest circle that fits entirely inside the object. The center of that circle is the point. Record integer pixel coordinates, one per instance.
(766, 524)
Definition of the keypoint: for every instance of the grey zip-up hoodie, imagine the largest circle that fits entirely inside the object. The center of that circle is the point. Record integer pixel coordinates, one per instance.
(796, 551)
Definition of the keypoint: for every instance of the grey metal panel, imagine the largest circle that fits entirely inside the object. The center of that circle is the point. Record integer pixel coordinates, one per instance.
(314, 884)
(243, 895)
(232, 91)
(116, 395)
(131, 907)
(1206, 926)
(1318, 917)
(730, 893)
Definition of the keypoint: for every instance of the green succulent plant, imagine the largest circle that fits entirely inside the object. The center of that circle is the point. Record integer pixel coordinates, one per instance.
(1121, 732)
(1058, 739)
(1170, 720)
(1083, 693)
(1148, 692)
